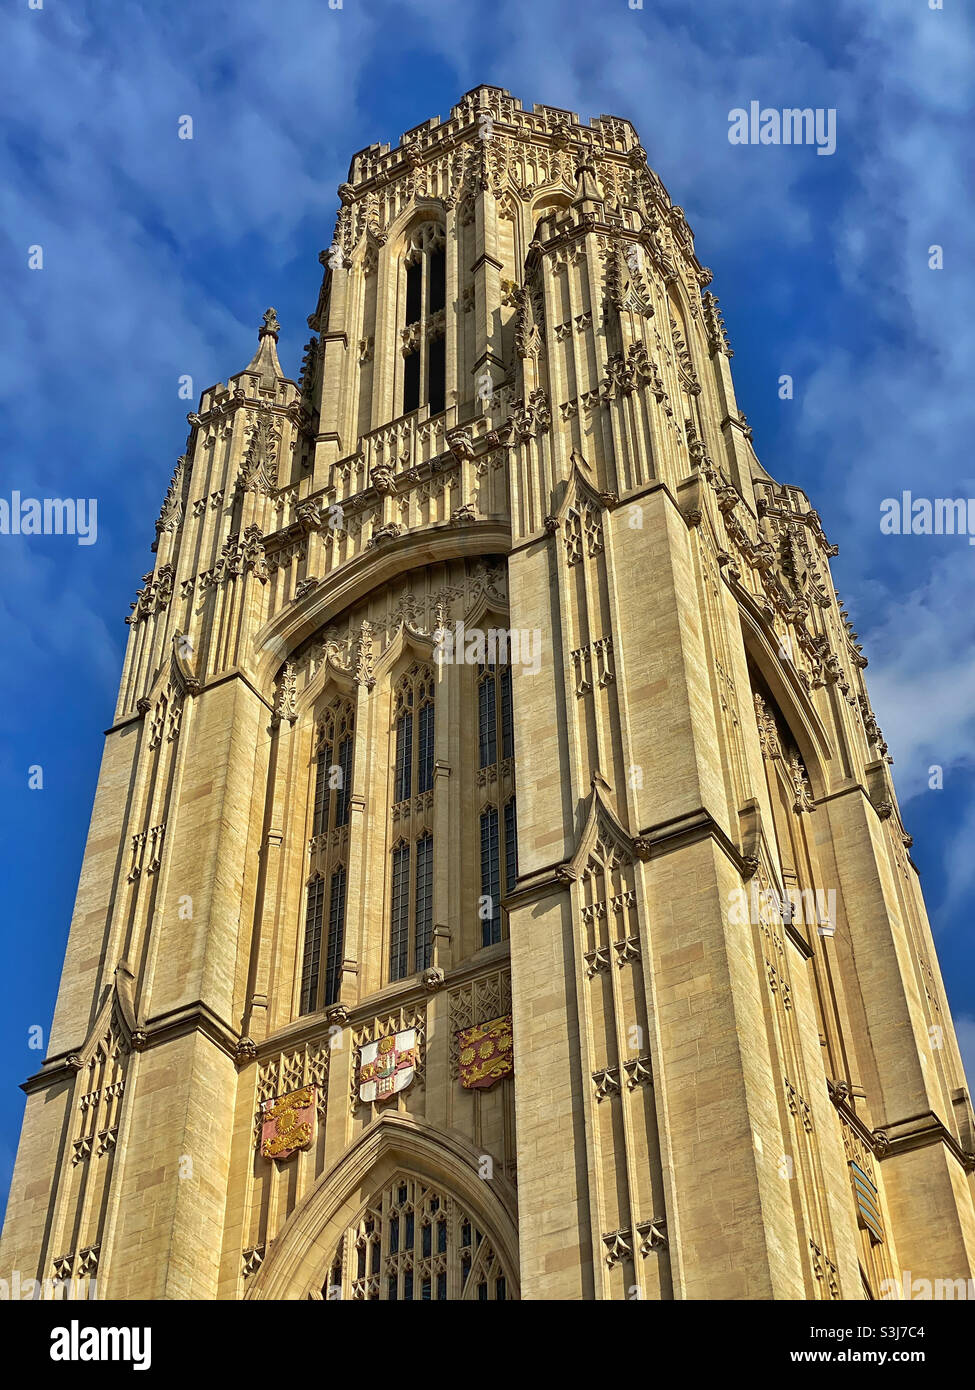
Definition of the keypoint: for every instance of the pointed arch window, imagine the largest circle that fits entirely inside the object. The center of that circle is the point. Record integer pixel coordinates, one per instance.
(399, 950)
(498, 833)
(415, 1242)
(413, 715)
(499, 867)
(490, 906)
(314, 927)
(311, 960)
(495, 723)
(487, 727)
(333, 768)
(325, 903)
(411, 905)
(423, 328)
(336, 936)
(411, 908)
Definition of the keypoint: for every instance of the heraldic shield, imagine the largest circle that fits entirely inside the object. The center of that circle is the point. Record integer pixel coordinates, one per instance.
(288, 1123)
(387, 1066)
(486, 1053)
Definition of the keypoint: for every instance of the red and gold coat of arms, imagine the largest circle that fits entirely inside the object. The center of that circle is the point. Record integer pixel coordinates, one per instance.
(486, 1053)
(288, 1123)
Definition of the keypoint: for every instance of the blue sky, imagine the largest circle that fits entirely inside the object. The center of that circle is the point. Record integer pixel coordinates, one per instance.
(161, 254)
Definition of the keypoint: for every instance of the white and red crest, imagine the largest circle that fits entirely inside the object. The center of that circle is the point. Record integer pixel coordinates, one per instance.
(387, 1065)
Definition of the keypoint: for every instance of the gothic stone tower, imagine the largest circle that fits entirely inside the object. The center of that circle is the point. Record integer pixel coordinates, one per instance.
(345, 851)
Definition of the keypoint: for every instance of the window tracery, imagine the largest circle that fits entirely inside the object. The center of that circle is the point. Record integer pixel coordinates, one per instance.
(411, 906)
(424, 319)
(416, 1243)
(328, 847)
(498, 821)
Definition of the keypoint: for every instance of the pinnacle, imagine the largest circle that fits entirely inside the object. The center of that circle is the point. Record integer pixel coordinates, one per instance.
(587, 189)
(265, 361)
(269, 325)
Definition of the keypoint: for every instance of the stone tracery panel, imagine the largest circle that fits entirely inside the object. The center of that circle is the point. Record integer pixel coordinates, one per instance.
(415, 1242)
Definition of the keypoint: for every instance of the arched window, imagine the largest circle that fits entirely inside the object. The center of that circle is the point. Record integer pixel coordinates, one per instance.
(411, 906)
(495, 726)
(328, 847)
(336, 935)
(498, 829)
(416, 1243)
(333, 768)
(499, 867)
(424, 319)
(311, 959)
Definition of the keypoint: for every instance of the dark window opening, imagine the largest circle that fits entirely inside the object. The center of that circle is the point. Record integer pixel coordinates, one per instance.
(411, 383)
(438, 281)
(507, 720)
(400, 936)
(487, 741)
(490, 906)
(336, 934)
(414, 282)
(424, 770)
(344, 788)
(404, 757)
(313, 945)
(320, 815)
(424, 910)
(437, 385)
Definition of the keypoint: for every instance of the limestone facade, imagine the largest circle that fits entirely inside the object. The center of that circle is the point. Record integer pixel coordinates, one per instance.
(661, 835)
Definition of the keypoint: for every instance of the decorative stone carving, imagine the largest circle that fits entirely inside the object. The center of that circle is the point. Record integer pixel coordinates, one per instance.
(171, 514)
(390, 531)
(362, 657)
(285, 707)
(619, 1247)
(259, 470)
(653, 1234)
